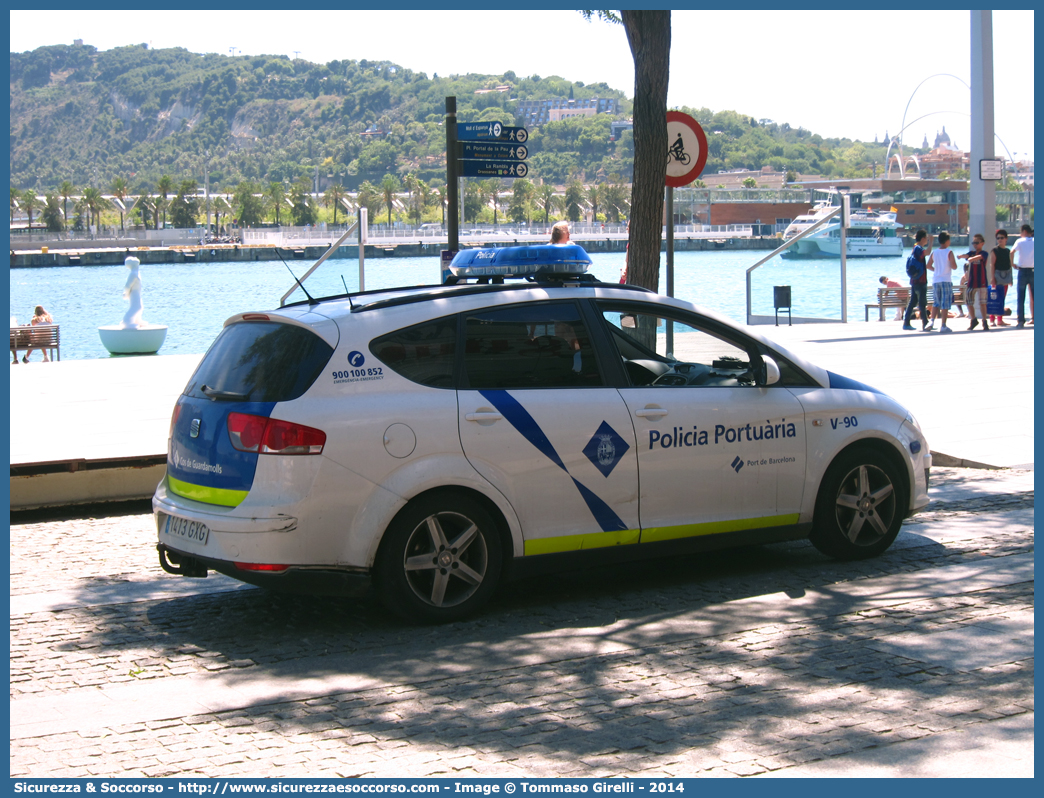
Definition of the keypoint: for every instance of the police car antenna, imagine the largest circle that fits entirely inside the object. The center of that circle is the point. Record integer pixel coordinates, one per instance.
(347, 293)
(299, 283)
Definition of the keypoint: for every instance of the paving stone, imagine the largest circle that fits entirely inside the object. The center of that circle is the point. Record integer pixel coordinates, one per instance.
(804, 691)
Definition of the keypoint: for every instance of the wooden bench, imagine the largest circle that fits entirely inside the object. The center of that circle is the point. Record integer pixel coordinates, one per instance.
(900, 298)
(39, 336)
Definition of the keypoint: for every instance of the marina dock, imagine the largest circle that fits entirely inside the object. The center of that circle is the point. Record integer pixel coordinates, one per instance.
(380, 248)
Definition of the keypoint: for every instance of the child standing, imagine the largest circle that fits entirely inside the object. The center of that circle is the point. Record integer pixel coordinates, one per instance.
(942, 264)
(999, 269)
(976, 282)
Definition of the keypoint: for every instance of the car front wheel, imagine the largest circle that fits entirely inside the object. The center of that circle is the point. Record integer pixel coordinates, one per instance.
(441, 559)
(859, 508)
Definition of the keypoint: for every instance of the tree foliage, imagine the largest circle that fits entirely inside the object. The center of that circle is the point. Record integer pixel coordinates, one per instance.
(84, 117)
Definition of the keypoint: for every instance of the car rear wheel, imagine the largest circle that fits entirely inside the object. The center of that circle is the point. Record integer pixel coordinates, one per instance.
(441, 559)
(859, 508)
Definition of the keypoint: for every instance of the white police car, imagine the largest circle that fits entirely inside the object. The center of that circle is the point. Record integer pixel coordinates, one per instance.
(437, 440)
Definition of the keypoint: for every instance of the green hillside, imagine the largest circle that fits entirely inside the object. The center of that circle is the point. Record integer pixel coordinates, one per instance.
(93, 117)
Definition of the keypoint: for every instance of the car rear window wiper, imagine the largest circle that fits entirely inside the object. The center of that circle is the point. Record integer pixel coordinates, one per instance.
(224, 396)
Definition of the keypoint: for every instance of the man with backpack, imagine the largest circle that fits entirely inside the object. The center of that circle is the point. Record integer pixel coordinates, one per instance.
(916, 269)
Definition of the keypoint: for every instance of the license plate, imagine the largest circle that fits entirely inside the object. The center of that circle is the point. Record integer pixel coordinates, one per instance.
(183, 528)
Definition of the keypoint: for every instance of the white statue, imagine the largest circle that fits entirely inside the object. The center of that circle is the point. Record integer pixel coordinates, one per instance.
(132, 291)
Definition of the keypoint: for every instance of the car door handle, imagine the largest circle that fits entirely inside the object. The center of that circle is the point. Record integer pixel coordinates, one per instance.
(484, 415)
(651, 412)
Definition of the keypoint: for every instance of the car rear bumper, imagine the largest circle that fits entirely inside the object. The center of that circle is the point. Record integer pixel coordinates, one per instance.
(310, 580)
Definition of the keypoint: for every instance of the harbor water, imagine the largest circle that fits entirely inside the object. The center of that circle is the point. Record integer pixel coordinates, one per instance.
(195, 299)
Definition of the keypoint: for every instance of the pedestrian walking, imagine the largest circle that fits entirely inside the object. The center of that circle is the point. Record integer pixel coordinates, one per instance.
(1022, 260)
(942, 264)
(999, 270)
(977, 282)
(918, 281)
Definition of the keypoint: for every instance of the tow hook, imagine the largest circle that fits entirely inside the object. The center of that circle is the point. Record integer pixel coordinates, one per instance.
(179, 564)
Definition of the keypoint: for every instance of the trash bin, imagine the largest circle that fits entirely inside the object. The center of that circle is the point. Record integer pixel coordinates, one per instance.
(781, 301)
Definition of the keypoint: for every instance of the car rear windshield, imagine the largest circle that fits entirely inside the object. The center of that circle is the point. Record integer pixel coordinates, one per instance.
(260, 361)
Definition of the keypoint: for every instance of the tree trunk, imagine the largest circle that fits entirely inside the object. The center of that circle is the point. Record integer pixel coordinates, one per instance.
(649, 35)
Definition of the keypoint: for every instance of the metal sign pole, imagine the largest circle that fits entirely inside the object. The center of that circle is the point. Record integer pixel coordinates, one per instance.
(452, 173)
(363, 225)
(670, 262)
(846, 210)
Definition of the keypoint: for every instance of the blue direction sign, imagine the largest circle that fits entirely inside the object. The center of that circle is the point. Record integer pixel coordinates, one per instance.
(493, 169)
(493, 150)
(491, 131)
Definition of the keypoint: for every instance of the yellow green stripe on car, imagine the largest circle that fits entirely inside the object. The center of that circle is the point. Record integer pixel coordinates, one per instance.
(593, 540)
(597, 540)
(660, 533)
(201, 493)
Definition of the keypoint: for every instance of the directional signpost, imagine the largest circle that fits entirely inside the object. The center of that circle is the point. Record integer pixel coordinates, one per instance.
(482, 149)
(479, 149)
(491, 131)
(493, 169)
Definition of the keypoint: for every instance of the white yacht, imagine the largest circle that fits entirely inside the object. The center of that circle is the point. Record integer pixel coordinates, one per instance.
(870, 234)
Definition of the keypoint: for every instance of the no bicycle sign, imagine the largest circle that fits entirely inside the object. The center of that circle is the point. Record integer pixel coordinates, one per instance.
(686, 149)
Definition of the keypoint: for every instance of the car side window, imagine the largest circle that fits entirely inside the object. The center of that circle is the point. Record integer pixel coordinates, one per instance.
(543, 345)
(659, 350)
(423, 353)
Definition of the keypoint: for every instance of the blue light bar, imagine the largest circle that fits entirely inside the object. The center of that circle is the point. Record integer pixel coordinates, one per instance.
(521, 261)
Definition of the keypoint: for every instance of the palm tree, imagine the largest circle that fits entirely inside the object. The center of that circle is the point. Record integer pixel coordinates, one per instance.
(409, 182)
(65, 190)
(333, 196)
(424, 194)
(522, 194)
(164, 186)
(574, 200)
(614, 198)
(30, 202)
(52, 214)
(491, 188)
(145, 206)
(593, 195)
(369, 197)
(300, 195)
(547, 200)
(389, 185)
(441, 194)
(119, 191)
(92, 201)
(276, 194)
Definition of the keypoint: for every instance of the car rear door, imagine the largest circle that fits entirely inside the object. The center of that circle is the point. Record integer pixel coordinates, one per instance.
(537, 420)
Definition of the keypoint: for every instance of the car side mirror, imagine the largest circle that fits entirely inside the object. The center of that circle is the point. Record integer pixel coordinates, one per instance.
(767, 373)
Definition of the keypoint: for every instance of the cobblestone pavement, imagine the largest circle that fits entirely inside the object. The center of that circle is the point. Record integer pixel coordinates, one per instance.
(670, 700)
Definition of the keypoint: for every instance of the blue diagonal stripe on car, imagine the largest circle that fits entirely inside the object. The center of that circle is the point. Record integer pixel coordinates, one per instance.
(524, 423)
(603, 513)
(521, 420)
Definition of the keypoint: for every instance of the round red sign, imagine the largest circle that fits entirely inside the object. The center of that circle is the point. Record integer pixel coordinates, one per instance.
(686, 149)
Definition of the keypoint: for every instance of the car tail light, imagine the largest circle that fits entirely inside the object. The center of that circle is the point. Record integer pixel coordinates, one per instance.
(250, 433)
(174, 419)
(258, 566)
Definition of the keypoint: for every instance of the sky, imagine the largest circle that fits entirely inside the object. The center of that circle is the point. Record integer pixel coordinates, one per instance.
(855, 74)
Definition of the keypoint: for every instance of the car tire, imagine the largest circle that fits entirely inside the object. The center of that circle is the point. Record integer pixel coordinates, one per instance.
(860, 506)
(441, 559)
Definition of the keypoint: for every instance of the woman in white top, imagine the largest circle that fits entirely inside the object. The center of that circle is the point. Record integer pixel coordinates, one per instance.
(942, 264)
